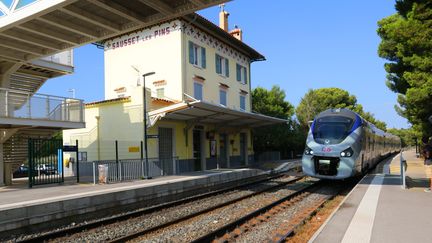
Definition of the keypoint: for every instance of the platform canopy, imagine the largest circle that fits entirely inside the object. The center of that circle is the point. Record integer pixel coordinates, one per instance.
(207, 113)
(31, 29)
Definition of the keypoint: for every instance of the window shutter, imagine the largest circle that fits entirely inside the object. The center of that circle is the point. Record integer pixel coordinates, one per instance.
(238, 70)
(226, 67)
(245, 75)
(191, 53)
(203, 57)
(218, 64)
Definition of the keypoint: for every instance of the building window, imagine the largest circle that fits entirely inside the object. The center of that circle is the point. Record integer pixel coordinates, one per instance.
(197, 55)
(223, 97)
(241, 74)
(242, 102)
(160, 93)
(222, 66)
(198, 91)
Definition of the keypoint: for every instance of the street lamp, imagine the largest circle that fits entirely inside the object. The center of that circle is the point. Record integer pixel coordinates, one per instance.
(145, 124)
(73, 92)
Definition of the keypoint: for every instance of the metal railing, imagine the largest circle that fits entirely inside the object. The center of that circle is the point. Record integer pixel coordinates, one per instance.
(63, 58)
(126, 170)
(21, 104)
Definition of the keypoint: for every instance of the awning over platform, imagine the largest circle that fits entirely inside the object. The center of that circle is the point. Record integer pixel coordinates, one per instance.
(207, 113)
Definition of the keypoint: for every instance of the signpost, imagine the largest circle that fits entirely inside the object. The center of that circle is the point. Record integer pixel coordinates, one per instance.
(73, 148)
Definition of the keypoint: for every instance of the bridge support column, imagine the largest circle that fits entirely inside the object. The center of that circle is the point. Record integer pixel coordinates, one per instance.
(2, 165)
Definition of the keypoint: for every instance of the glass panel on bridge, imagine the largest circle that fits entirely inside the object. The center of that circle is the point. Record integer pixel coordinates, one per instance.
(23, 3)
(7, 3)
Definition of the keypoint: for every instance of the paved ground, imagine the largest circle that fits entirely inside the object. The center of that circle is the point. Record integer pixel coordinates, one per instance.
(380, 210)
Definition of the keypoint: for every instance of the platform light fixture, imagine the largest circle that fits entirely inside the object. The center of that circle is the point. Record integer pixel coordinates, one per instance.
(145, 124)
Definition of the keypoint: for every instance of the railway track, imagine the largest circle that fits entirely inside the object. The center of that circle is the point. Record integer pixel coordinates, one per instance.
(265, 224)
(192, 227)
(68, 234)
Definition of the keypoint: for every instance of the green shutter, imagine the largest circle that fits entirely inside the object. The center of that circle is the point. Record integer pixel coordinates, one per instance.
(238, 71)
(245, 75)
(218, 64)
(191, 53)
(203, 57)
(226, 67)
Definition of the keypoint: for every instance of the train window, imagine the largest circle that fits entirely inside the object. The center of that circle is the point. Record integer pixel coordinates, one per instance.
(331, 129)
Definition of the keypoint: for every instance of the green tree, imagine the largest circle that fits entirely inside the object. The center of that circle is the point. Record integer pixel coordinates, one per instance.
(406, 44)
(409, 137)
(316, 101)
(284, 137)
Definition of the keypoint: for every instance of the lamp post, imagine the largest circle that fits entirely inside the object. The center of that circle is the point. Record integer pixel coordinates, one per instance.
(145, 124)
(73, 92)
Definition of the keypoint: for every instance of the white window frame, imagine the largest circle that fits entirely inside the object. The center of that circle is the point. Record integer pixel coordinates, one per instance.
(243, 77)
(158, 94)
(197, 53)
(223, 61)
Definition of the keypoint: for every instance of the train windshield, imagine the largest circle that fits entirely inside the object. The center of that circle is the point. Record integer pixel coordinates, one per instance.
(331, 129)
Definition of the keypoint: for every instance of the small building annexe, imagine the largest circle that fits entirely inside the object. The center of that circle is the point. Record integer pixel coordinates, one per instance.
(198, 100)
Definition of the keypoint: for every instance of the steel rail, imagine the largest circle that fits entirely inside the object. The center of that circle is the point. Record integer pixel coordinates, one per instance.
(155, 228)
(231, 226)
(97, 223)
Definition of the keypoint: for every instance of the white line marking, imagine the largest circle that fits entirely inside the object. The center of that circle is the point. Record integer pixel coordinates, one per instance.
(360, 228)
(93, 193)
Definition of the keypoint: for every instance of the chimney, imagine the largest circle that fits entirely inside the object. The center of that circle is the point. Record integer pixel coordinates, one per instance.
(223, 18)
(237, 33)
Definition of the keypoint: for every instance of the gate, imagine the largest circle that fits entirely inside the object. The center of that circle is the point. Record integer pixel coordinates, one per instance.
(45, 161)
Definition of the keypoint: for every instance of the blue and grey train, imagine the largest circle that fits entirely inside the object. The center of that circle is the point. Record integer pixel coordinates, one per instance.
(341, 144)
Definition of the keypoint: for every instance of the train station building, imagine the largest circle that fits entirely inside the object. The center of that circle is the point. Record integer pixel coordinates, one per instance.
(198, 93)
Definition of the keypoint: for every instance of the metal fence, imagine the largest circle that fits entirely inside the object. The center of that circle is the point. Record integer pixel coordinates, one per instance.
(20, 104)
(111, 171)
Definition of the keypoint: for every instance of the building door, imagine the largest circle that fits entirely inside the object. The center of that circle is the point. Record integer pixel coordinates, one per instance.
(223, 148)
(197, 149)
(243, 148)
(165, 151)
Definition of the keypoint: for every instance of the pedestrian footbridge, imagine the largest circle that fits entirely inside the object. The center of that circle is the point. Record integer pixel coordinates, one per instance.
(37, 38)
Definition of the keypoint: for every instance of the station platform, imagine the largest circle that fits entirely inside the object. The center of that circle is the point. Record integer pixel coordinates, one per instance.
(41, 207)
(378, 209)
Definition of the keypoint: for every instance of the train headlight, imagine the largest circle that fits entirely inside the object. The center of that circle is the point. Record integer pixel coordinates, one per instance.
(308, 151)
(347, 152)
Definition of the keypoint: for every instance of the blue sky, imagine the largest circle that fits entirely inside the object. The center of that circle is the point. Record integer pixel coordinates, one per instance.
(308, 44)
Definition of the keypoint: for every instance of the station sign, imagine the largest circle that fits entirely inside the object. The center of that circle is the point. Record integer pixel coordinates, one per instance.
(134, 149)
(153, 136)
(70, 148)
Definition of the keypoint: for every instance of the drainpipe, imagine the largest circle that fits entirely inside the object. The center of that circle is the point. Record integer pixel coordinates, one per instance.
(184, 50)
(98, 137)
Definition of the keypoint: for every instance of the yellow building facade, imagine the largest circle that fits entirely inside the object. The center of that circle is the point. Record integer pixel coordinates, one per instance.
(198, 99)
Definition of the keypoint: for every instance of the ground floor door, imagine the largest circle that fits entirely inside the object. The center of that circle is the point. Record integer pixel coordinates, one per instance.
(45, 158)
(243, 148)
(166, 151)
(223, 151)
(197, 149)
